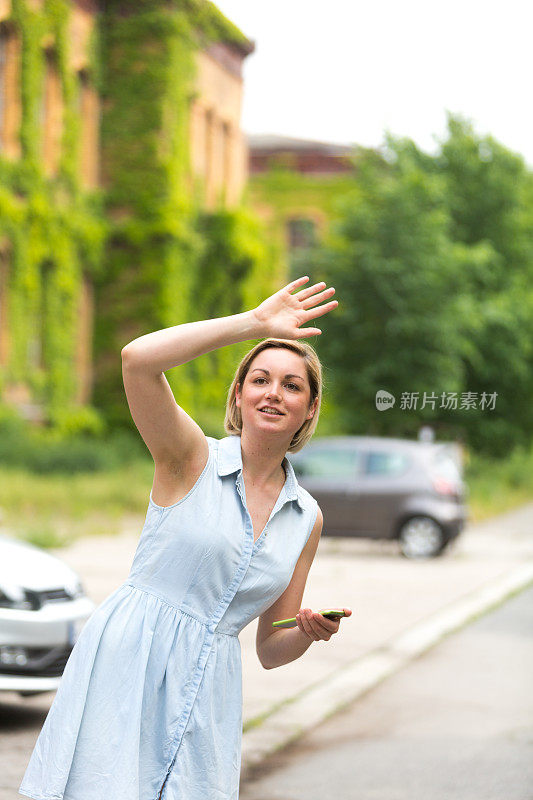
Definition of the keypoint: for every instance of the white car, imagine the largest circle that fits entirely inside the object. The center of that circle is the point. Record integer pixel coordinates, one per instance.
(43, 608)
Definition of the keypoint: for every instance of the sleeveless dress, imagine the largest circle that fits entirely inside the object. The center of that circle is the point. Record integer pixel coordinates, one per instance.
(151, 695)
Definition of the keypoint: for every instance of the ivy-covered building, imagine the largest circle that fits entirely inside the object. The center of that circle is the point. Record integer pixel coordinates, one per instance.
(122, 168)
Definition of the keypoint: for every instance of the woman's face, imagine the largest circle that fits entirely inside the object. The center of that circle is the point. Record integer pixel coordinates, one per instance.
(276, 380)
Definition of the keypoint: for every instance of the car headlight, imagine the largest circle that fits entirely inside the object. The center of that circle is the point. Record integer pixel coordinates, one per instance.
(79, 590)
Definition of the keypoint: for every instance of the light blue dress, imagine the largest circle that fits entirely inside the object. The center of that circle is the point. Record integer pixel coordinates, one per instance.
(151, 696)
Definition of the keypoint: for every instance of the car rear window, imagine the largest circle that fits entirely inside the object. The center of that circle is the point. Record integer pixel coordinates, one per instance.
(327, 463)
(386, 463)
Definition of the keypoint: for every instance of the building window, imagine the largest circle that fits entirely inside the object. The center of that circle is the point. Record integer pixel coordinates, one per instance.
(226, 159)
(84, 342)
(52, 115)
(89, 111)
(301, 238)
(10, 103)
(37, 341)
(209, 155)
(301, 233)
(4, 278)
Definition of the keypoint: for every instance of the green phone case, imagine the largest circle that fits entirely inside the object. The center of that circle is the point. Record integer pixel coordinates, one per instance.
(291, 623)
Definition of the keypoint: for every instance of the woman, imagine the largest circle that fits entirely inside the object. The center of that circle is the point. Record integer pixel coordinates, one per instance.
(149, 705)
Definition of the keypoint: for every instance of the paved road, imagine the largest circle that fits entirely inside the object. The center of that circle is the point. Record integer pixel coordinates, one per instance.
(455, 723)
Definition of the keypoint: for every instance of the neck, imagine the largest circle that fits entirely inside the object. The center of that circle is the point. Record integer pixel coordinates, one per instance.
(262, 459)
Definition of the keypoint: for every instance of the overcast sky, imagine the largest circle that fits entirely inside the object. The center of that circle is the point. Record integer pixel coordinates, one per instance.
(345, 71)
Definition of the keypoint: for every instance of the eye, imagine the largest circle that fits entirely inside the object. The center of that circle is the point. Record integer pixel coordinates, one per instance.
(290, 384)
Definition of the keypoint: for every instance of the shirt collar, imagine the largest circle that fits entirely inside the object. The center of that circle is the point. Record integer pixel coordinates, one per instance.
(230, 460)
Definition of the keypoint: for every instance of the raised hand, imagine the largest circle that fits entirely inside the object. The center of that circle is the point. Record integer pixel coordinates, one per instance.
(281, 314)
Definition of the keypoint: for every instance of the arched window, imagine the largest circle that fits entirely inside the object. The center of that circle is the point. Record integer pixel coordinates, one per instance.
(301, 232)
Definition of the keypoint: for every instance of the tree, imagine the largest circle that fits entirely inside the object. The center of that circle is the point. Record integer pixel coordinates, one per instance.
(432, 261)
(395, 327)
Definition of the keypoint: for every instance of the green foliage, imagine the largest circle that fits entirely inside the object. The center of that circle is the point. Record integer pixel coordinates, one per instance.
(394, 327)
(56, 450)
(432, 263)
(140, 241)
(53, 228)
(233, 239)
(168, 262)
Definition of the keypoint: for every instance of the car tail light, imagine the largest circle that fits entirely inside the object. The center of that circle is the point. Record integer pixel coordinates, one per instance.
(444, 486)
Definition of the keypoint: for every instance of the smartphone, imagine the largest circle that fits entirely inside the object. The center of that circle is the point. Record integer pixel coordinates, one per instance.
(291, 623)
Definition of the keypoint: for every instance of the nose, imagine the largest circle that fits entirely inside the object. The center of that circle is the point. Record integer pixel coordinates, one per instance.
(273, 391)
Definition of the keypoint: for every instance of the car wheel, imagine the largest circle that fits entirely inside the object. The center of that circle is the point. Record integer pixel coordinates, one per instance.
(421, 537)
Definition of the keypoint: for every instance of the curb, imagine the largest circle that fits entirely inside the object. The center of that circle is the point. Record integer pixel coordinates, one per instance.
(308, 709)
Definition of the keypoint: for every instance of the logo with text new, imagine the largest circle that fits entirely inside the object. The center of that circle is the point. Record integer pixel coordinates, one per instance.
(384, 400)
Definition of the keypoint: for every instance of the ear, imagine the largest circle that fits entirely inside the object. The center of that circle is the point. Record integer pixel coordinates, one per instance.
(238, 395)
(311, 412)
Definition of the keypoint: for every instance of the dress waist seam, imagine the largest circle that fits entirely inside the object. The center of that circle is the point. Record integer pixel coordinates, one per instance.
(204, 622)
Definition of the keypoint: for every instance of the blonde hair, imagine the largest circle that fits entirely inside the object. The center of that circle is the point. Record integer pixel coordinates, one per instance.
(233, 419)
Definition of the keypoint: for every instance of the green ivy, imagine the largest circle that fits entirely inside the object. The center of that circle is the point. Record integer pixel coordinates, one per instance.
(54, 228)
(155, 258)
(167, 261)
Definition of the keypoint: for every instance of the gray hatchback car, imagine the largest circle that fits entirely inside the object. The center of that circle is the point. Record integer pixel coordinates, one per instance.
(384, 488)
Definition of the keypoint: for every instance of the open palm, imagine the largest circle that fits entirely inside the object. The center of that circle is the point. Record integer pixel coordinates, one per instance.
(282, 314)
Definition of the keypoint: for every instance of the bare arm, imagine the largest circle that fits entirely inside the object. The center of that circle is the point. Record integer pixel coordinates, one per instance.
(277, 647)
(156, 352)
(174, 439)
(177, 444)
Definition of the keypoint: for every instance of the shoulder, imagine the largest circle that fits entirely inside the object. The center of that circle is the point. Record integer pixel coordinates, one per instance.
(307, 501)
(214, 452)
(319, 521)
(313, 512)
(313, 537)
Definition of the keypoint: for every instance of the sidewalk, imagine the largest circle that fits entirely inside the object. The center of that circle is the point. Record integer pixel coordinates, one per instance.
(454, 723)
(400, 608)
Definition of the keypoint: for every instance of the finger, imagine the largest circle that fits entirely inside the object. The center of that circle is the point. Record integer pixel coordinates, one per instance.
(303, 620)
(298, 282)
(299, 623)
(303, 294)
(307, 625)
(314, 625)
(320, 630)
(301, 333)
(319, 312)
(324, 625)
(329, 625)
(318, 298)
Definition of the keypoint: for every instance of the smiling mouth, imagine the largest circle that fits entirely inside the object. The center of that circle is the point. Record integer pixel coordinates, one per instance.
(271, 412)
